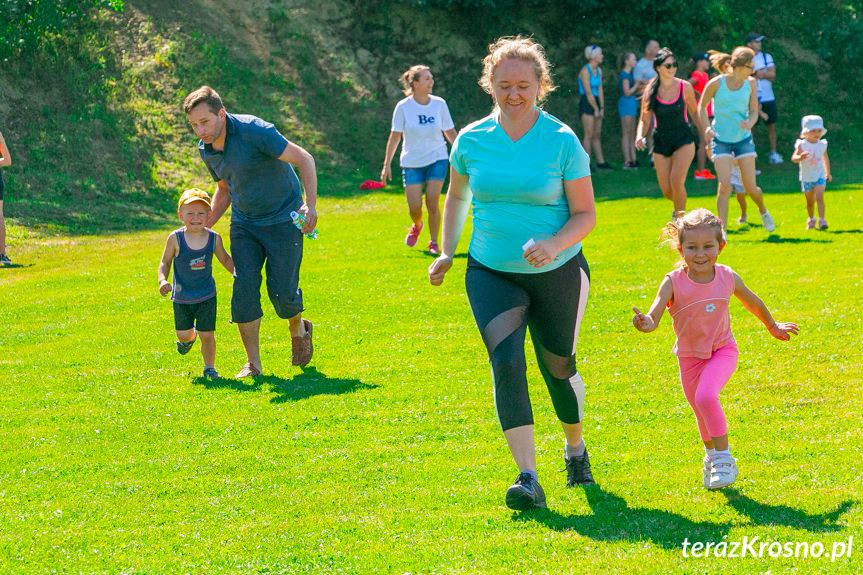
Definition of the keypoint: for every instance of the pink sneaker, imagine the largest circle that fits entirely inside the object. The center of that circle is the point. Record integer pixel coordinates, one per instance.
(822, 224)
(434, 250)
(413, 235)
(810, 224)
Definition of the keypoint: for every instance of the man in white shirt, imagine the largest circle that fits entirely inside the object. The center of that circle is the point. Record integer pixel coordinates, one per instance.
(764, 71)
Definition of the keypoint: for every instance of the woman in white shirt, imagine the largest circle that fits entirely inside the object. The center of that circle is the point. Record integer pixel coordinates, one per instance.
(424, 120)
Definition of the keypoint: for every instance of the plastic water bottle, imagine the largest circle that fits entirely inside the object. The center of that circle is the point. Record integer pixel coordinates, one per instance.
(300, 220)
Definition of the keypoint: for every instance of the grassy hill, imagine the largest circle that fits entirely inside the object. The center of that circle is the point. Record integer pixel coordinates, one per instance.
(89, 102)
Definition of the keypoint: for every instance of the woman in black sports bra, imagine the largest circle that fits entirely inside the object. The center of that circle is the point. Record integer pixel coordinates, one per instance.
(671, 103)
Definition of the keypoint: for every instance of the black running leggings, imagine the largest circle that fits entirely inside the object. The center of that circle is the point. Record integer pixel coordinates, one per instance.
(552, 305)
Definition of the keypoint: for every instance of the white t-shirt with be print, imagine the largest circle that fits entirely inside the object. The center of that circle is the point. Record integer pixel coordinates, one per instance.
(422, 130)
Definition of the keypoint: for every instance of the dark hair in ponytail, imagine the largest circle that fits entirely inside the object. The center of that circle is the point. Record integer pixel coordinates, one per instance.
(652, 90)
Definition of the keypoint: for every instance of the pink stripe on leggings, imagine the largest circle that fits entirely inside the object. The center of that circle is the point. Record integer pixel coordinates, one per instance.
(702, 380)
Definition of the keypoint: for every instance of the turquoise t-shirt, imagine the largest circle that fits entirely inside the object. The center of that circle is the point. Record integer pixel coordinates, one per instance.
(517, 188)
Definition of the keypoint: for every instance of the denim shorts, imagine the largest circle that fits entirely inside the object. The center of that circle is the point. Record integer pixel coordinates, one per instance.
(279, 249)
(737, 189)
(436, 171)
(742, 149)
(806, 186)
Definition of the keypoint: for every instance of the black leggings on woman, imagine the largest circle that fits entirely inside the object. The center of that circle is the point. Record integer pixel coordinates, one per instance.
(552, 305)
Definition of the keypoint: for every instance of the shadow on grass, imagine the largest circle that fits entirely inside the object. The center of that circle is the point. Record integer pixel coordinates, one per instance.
(774, 239)
(767, 514)
(614, 520)
(829, 231)
(309, 383)
(8, 266)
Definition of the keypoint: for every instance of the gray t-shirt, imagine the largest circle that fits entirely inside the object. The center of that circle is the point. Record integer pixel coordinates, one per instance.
(644, 70)
(264, 190)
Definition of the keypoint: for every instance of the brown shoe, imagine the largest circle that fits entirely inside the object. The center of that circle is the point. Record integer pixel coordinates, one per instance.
(248, 370)
(301, 347)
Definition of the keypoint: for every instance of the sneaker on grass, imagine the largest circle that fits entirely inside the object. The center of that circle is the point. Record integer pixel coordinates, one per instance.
(723, 471)
(4, 260)
(822, 224)
(413, 235)
(810, 223)
(742, 219)
(767, 220)
(434, 249)
(775, 158)
(211, 373)
(526, 493)
(578, 470)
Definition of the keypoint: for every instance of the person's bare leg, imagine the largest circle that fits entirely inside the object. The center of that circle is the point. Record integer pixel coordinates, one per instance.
(433, 190)
(208, 347)
(250, 334)
(680, 162)
(521, 445)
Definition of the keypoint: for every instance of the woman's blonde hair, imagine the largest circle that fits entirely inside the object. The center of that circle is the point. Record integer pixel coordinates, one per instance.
(410, 76)
(591, 52)
(522, 48)
(741, 56)
(673, 232)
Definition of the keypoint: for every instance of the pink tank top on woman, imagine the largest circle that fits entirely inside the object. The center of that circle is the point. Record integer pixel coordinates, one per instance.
(699, 312)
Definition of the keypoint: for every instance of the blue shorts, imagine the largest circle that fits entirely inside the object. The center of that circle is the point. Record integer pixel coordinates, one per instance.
(436, 171)
(806, 186)
(742, 149)
(737, 189)
(627, 106)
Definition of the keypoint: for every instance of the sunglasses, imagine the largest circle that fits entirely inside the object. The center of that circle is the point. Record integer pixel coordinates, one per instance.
(671, 65)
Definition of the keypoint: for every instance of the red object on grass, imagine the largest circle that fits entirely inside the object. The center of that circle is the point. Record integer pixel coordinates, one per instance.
(372, 185)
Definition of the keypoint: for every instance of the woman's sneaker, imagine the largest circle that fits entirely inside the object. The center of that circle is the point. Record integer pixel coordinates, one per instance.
(723, 471)
(526, 493)
(822, 225)
(578, 470)
(742, 219)
(434, 250)
(413, 235)
(810, 224)
(4, 260)
(767, 221)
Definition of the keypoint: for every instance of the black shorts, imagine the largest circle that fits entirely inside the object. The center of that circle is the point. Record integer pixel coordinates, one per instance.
(665, 143)
(771, 110)
(584, 107)
(201, 315)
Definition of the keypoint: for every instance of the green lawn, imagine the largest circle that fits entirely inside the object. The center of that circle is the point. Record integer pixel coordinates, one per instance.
(385, 455)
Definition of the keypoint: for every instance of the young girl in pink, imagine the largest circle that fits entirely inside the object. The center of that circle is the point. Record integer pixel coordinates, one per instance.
(697, 294)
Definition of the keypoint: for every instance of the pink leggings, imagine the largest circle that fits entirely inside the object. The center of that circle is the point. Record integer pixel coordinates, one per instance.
(702, 380)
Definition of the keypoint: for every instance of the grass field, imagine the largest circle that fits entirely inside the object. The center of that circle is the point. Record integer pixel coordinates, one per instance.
(384, 455)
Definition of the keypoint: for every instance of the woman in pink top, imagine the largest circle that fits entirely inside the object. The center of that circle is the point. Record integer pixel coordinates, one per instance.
(697, 295)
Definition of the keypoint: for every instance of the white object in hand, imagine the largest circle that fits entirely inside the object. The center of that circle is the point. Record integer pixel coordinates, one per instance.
(528, 244)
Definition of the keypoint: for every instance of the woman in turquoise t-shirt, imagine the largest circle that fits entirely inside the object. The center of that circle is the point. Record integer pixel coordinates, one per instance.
(528, 179)
(729, 137)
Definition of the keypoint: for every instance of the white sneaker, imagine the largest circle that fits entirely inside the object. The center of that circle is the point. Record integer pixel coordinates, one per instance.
(775, 158)
(706, 470)
(742, 219)
(723, 471)
(767, 220)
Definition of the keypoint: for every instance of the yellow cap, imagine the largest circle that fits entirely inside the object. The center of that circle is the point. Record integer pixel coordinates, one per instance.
(193, 195)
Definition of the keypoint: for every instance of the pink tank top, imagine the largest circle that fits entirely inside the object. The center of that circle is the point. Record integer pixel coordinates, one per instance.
(699, 312)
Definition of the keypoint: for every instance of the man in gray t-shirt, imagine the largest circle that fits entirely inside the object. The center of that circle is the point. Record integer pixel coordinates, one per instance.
(643, 71)
(252, 165)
